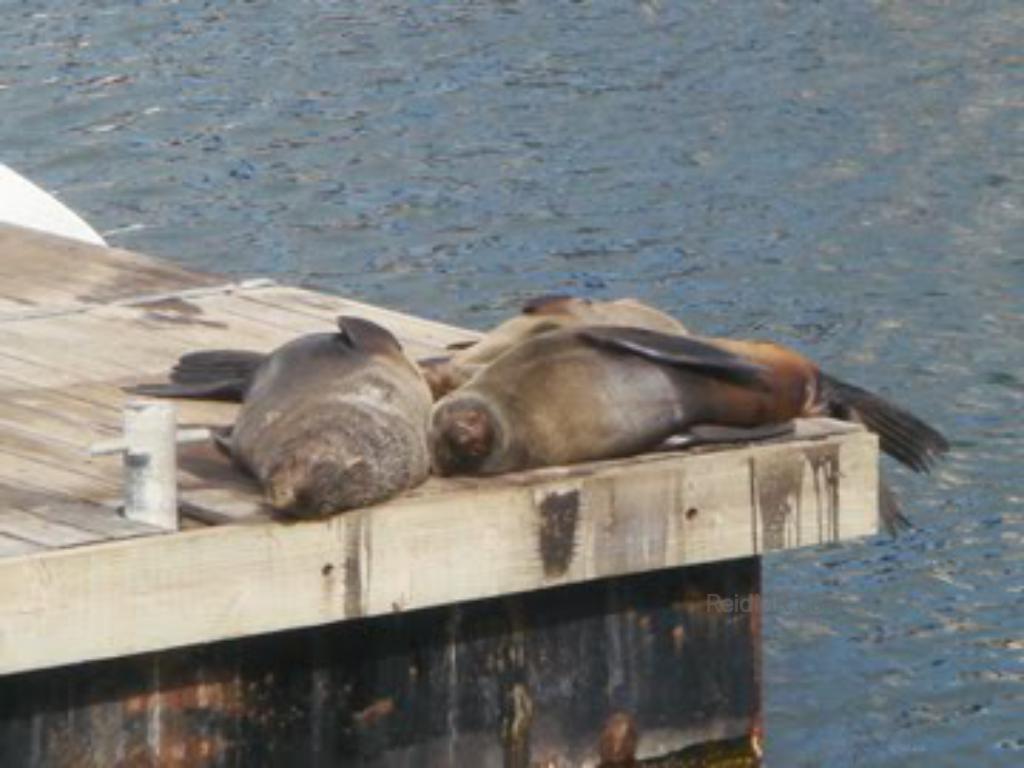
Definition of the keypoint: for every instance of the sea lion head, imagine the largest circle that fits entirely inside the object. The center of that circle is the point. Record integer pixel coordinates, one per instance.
(443, 375)
(466, 436)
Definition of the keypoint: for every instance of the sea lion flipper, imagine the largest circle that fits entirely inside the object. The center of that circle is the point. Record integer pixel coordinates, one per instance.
(712, 434)
(890, 511)
(215, 374)
(718, 433)
(550, 304)
(678, 351)
(366, 335)
(227, 391)
(901, 434)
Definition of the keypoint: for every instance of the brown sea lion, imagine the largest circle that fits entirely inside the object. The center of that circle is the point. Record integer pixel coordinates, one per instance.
(595, 392)
(568, 396)
(329, 421)
(538, 316)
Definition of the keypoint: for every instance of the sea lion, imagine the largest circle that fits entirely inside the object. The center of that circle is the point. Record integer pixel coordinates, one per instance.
(568, 396)
(329, 421)
(597, 392)
(538, 316)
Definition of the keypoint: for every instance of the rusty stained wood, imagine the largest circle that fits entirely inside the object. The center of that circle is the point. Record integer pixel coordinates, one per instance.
(449, 542)
(654, 667)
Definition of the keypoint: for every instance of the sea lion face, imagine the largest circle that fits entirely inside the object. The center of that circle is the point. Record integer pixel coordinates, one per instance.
(466, 436)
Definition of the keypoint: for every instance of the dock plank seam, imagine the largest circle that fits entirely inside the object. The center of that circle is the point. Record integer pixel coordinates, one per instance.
(254, 284)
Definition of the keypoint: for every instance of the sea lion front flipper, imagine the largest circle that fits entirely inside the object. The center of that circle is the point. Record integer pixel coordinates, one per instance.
(687, 352)
(901, 434)
(360, 333)
(216, 374)
(711, 434)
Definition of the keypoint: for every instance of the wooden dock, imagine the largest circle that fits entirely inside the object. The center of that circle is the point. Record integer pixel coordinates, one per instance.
(80, 583)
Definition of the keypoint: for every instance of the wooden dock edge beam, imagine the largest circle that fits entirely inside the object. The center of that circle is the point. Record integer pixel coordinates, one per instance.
(512, 534)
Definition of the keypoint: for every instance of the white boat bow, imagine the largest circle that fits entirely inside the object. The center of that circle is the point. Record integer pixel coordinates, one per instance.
(24, 204)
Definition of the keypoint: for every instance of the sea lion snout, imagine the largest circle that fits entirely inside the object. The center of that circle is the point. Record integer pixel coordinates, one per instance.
(463, 435)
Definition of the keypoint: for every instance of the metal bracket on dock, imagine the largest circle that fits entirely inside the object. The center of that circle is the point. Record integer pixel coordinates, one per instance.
(149, 450)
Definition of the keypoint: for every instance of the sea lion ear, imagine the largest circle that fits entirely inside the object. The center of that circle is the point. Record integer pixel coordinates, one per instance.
(551, 304)
(360, 333)
(687, 352)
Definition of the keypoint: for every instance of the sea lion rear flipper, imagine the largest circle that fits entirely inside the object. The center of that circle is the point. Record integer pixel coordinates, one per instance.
(218, 374)
(901, 434)
(889, 511)
(226, 391)
(360, 333)
(687, 352)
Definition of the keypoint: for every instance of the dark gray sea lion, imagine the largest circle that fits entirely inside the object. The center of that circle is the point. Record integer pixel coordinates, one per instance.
(540, 315)
(593, 392)
(329, 421)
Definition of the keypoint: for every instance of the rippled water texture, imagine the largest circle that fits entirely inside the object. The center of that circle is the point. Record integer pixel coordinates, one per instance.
(845, 177)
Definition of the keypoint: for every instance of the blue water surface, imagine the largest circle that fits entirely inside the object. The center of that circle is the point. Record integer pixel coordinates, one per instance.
(842, 177)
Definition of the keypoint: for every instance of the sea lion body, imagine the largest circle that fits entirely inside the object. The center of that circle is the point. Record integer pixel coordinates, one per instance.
(561, 398)
(328, 422)
(334, 421)
(540, 316)
(595, 392)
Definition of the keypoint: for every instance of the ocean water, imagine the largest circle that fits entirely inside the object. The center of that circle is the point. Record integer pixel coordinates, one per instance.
(842, 177)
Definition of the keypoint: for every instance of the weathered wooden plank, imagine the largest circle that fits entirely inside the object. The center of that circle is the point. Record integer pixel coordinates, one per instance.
(18, 374)
(70, 404)
(181, 326)
(12, 547)
(45, 476)
(648, 667)
(513, 534)
(53, 424)
(38, 269)
(276, 305)
(38, 530)
(97, 407)
(69, 350)
(52, 452)
(317, 305)
(92, 518)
